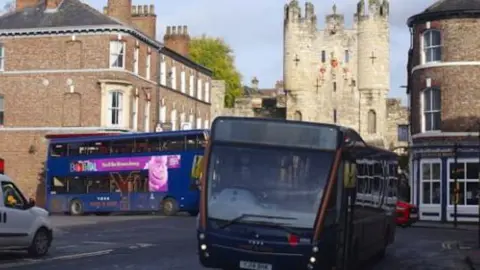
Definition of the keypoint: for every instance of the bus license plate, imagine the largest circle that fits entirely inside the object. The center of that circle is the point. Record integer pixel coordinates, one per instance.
(255, 265)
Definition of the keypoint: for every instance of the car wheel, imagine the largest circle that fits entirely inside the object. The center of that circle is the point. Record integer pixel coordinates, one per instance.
(40, 243)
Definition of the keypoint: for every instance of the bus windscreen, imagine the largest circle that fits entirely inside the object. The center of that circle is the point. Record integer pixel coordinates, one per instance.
(276, 133)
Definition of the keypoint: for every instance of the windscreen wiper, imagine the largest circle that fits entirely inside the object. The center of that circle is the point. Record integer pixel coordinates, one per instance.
(242, 216)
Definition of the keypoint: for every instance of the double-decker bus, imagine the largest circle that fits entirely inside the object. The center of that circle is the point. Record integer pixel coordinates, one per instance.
(279, 194)
(140, 172)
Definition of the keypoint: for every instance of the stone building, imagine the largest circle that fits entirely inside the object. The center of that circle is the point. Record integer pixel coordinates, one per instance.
(335, 75)
(65, 67)
(444, 94)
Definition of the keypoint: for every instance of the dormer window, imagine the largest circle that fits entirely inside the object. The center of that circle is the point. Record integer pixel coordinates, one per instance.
(432, 46)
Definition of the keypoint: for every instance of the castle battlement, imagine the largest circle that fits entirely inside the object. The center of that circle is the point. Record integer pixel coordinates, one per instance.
(373, 9)
(293, 13)
(366, 9)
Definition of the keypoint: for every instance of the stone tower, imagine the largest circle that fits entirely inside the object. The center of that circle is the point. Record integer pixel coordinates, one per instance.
(373, 66)
(338, 75)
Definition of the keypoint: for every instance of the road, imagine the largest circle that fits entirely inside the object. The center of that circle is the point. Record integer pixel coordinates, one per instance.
(170, 244)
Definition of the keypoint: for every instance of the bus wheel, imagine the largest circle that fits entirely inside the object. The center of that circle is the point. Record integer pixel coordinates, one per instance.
(76, 208)
(169, 207)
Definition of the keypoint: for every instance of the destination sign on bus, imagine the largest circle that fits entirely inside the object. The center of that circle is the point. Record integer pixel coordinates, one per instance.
(275, 133)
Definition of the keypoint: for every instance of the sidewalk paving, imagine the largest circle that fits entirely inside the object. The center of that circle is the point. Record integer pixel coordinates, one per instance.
(449, 225)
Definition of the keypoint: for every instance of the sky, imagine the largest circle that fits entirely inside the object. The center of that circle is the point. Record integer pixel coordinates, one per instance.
(254, 30)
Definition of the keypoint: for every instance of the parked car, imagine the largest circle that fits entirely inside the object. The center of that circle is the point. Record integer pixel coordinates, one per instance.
(23, 226)
(407, 214)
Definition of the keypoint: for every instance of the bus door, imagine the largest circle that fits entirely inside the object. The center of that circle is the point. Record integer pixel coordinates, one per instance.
(347, 180)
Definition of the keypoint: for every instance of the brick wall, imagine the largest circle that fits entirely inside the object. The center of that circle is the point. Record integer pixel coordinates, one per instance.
(460, 91)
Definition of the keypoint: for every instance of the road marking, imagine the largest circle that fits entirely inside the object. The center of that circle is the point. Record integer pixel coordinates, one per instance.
(450, 245)
(58, 258)
(99, 243)
(67, 247)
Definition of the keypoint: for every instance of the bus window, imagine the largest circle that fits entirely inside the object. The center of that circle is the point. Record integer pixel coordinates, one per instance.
(93, 148)
(122, 146)
(194, 142)
(74, 149)
(143, 145)
(58, 150)
(98, 184)
(59, 185)
(173, 143)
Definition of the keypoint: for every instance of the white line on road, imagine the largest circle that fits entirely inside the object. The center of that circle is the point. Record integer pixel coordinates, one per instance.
(64, 257)
(99, 243)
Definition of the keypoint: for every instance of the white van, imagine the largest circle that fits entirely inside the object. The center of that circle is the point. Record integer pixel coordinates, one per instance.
(23, 226)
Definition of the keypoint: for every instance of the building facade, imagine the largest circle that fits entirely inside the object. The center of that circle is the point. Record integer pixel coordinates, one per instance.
(339, 75)
(66, 66)
(444, 96)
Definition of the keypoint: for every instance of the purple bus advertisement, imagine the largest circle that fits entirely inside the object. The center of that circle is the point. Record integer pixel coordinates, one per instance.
(142, 172)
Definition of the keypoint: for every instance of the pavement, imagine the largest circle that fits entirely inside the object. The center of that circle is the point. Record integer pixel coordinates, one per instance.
(169, 243)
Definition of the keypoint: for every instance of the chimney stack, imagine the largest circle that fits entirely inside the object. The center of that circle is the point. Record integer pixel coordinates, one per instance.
(52, 4)
(120, 10)
(22, 4)
(144, 18)
(177, 39)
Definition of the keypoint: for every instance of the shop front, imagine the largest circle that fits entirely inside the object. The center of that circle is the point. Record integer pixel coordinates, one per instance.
(438, 165)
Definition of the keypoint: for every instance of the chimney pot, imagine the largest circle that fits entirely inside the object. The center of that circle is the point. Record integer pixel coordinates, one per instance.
(152, 10)
(145, 10)
(134, 10)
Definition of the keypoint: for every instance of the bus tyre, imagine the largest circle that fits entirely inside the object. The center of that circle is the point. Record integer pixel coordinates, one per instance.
(169, 207)
(40, 243)
(76, 208)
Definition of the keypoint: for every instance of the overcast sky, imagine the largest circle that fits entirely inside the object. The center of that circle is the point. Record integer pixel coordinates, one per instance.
(254, 30)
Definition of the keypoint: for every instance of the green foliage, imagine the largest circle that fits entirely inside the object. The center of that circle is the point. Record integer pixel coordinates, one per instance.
(216, 55)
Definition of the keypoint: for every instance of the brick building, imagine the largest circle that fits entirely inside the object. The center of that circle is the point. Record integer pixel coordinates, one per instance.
(444, 94)
(65, 66)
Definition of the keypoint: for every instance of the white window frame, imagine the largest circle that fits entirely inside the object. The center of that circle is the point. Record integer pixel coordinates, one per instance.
(163, 71)
(464, 181)
(135, 113)
(173, 119)
(198, 125)
(191, 85)
(199, 89)
(183, 81)
(148, 67)
(430, 112)
(2, 57)
(173, 78)
(191, 120)
(207, 91)
(431, 181)
(146, 117)
(136, 56)
(182, 119)
(117, 48)
(119, 109)
(162, 114)
(428, 34)
(206, 124)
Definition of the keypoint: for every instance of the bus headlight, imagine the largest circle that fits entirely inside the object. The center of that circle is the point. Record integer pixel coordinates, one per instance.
(313, 259)
(315, 249)
(203, 247)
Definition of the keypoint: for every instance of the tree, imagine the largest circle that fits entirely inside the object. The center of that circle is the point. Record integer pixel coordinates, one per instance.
(9, 6)
(216, 55)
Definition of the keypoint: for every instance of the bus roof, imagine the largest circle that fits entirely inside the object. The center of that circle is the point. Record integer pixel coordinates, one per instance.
(234, 128)
(123, 136)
